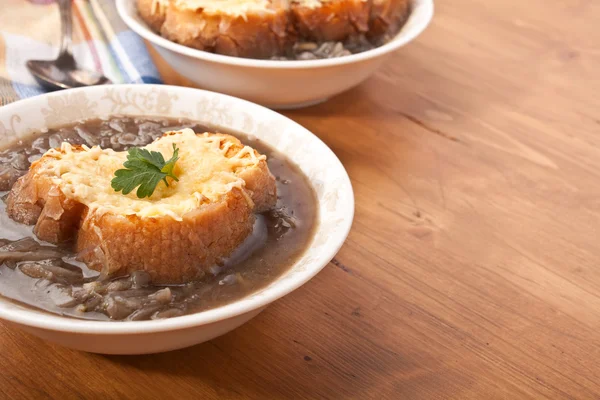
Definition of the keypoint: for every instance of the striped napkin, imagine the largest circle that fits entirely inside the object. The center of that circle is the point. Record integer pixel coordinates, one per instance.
(30, 29)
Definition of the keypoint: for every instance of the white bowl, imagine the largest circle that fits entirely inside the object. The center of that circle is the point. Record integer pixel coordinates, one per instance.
(276, 84)
(315, 159)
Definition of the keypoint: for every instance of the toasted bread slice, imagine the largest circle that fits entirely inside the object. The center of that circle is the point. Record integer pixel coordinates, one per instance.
(176, 234)
(268, 28)
(247, 28)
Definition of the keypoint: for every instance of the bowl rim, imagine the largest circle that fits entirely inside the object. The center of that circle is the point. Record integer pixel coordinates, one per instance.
(52, 322)
(423, 16)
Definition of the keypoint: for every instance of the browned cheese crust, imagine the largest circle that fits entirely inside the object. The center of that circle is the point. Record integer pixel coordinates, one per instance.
(170, 251)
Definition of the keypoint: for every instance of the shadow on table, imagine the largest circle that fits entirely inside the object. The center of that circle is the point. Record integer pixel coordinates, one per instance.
(256, 367)
(331, 348)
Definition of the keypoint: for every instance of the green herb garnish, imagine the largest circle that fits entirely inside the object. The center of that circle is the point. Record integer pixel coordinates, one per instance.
(144, 169)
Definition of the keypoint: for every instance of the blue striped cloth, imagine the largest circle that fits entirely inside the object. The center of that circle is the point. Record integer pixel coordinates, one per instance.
(101, 42)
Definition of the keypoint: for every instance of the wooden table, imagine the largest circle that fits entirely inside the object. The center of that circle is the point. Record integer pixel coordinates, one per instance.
(472, 270)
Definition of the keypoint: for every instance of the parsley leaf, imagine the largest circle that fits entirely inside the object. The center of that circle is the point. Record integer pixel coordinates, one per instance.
(144, 169)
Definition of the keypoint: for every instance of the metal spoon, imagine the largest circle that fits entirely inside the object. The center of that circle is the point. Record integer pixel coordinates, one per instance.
(64, 73)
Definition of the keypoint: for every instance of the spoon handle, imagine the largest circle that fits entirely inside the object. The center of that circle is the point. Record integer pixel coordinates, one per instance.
(66, 24)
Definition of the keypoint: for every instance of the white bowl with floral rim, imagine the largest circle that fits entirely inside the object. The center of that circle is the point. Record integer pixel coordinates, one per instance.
(277, 84)
(323, 169)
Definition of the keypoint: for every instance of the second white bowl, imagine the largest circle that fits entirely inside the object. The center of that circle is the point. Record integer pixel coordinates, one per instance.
(276, 84)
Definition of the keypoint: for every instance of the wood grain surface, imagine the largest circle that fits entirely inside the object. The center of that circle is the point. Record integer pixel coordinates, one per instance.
(472, 270)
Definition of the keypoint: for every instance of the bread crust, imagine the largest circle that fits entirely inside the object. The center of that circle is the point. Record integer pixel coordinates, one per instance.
(41, 203)
(153, 12)
(170, 251)
(253, 35)
(334, 20)
(273, 30)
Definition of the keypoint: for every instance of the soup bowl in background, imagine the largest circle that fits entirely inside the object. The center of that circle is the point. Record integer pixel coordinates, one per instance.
(322, 168)
(277, 84)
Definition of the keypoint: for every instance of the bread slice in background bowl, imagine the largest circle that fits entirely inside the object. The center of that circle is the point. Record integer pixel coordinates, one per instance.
(320, 165)
(277, 84)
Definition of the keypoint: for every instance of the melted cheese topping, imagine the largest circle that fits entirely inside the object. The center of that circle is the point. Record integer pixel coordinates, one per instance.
(312, 4)
(309, 3)
(205, 175)
(235, 7)
(229, 7)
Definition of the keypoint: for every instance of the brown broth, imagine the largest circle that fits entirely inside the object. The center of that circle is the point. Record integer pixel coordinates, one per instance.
(43, 276)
